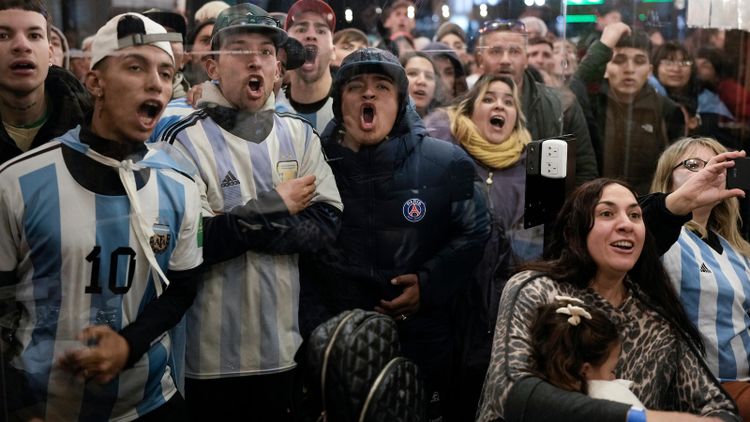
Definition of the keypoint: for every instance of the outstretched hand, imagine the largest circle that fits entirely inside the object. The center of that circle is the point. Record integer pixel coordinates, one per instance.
(706, 187)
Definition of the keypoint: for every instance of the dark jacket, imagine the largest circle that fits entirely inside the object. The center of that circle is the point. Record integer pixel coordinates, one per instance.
(549, 114)
(378, 242)
(412, 204)
(632, 135)
(506, 199)
(476, 312)
(68, 105)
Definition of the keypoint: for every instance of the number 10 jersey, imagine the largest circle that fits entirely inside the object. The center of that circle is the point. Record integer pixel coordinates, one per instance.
(76, 262)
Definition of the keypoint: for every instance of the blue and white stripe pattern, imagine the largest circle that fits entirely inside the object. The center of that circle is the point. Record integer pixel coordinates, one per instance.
(175, 110)
(244, 320)
(78, 263)
(319, 120)
(714, 289)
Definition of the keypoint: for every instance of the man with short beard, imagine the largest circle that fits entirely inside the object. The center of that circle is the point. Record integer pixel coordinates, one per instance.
(264, 179)
(37, 101)
(312, 23)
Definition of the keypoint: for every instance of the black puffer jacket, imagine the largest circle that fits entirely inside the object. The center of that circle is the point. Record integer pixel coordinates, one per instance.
(408, 176)
(412, 205)
(69, 104)
(377, 242)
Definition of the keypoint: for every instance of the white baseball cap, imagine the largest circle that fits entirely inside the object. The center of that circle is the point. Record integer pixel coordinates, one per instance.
(128, 30)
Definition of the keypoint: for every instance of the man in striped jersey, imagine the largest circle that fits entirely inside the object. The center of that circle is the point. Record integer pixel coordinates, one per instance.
(268, 194)
(89, 225)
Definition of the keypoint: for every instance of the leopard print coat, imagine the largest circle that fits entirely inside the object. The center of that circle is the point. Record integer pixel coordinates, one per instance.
(667, 371)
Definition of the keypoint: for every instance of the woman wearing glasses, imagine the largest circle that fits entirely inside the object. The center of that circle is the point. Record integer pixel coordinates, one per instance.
(675, 75)
(710, 269)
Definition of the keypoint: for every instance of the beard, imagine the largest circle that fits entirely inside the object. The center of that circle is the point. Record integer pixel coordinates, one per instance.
(313, 76)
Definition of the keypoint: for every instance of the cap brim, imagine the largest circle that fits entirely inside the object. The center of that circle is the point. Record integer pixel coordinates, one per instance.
(278, 36)
(169, 19)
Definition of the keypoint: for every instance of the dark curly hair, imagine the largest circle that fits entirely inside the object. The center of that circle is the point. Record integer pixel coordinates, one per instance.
(567, 258)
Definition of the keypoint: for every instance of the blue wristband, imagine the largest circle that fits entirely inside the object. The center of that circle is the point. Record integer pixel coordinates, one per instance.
(636, 414)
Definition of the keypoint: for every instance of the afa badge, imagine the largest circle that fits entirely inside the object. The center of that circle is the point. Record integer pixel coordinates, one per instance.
(287, 170)
(160, 240)
(414, 210)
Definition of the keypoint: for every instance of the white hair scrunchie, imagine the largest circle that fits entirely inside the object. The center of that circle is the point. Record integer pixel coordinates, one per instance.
(575, 312)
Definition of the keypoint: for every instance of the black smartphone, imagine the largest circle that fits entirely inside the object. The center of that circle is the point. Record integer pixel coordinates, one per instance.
(739, 175)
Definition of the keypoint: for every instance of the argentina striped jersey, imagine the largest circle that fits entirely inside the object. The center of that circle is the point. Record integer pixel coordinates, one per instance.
(714, 289)
(319, 120)
(77, 263)
(244, 319)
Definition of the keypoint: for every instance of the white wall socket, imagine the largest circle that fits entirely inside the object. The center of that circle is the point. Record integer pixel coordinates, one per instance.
(554, 159)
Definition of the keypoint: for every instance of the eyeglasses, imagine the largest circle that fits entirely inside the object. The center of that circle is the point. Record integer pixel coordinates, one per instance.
(678, 63)
(509, 25)
(692, 164)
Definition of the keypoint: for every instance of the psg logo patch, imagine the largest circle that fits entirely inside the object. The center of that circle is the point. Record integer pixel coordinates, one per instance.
(414, 210)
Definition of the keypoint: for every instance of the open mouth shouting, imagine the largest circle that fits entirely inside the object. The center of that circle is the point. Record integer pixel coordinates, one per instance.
(497, 121)
(255, 87)
(311, 53)
(148, 112)
(367, 119)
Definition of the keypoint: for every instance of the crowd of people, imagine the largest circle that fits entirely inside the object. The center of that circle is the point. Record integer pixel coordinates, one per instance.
(182, 202)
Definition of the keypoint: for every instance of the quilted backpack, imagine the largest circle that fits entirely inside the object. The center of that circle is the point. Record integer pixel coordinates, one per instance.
(360, 376)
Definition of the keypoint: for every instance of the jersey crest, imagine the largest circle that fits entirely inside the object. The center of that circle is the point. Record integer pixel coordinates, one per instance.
(160, 240)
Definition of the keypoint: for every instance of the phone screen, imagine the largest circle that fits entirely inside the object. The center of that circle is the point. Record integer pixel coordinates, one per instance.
(739, 175)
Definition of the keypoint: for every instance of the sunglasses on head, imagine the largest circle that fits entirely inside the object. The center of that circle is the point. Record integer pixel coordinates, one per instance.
(507, 25)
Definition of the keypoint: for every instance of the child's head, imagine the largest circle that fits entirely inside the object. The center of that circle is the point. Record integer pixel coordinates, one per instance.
(573, 345)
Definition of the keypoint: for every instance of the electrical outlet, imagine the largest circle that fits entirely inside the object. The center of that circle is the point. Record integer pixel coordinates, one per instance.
(554, 159)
